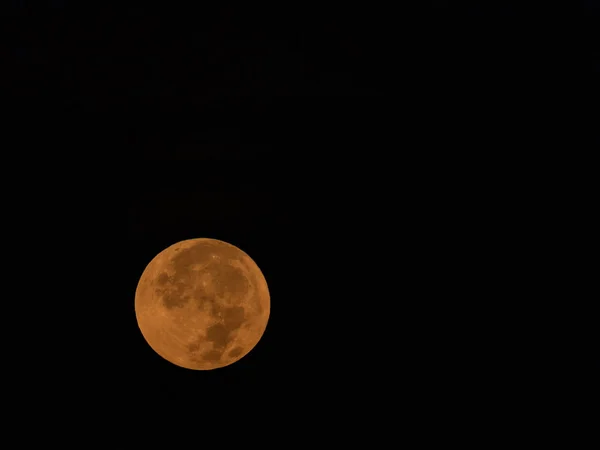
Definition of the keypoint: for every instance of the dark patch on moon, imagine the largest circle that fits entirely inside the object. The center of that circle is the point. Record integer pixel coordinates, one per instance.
(173, 299)
(229, 279)
(212, 355)
(172, 291)
(234, 317)
(199, 253)
(162, 279)
(237, 351)
(217, 334)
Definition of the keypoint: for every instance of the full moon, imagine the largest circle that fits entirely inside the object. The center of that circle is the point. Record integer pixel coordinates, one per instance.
(202, 304)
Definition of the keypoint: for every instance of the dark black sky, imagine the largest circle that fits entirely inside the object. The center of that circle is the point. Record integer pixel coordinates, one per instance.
(377, 166)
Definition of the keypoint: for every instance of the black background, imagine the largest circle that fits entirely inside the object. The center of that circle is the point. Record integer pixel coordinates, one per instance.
(380, 167)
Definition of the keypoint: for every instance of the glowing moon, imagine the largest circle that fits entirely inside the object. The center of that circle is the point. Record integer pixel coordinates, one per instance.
(202, 304)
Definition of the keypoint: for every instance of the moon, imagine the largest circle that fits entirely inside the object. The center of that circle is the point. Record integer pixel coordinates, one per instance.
(202, 304)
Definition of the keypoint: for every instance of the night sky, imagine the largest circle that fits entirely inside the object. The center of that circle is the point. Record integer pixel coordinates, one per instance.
(378, 166)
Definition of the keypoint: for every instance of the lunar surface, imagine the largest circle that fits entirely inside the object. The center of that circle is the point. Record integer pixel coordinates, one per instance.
(202, 304)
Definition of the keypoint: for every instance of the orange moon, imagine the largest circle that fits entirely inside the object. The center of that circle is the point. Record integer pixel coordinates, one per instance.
(202, 304)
